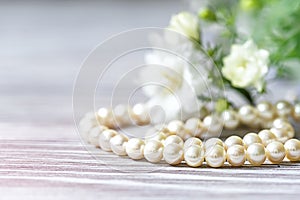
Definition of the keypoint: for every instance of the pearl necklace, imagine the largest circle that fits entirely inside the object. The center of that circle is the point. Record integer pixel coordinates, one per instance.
(179, 142)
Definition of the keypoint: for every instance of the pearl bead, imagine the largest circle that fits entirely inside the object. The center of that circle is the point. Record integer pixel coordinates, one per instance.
(292, 147)
(236, 155)
(213, 142)
(176, 127)
(283, 131)
(231, 119)
(121, 115)
(275, 152)
(266, 137)
(153, 151)
(104, 139)
(173, 153)
(135, 148)
(192, 141)
(284, 108)
(266, 124)
(93, 136)
(251, 138)
(118, 144)
(140, 115)
(159, 136)
(194, 155)
(214, 125)
(279, 121)
(256, 124)
(256, 154)
(161, 128)
(233, 140)
(248, 114)
(215, 156)
(173, 139)
(85, 125)
(90, 115)
(104, 116)
(296, 112)
(195, 127)
(266, 110)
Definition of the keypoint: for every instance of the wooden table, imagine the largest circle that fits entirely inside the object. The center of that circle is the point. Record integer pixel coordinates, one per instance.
(41, 156)
(60, 167)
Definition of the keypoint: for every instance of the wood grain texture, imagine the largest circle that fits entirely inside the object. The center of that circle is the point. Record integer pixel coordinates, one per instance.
(64, 169)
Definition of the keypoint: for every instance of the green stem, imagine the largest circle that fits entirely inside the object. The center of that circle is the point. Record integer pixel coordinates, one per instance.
(245, 93)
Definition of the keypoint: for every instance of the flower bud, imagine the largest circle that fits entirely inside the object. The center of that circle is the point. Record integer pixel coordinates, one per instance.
(207, 14)
(186, 24)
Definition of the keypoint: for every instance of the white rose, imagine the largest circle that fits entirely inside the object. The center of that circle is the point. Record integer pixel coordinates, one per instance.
(246, 66)
(186, 24)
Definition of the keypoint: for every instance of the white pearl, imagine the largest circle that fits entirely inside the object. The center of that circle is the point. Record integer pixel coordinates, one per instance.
(233, 140)
(248, 114)
(284, 108)
(283, 131)
(236, 155)
(159, 136)
(256, 154)
(85, 125)
(296, 112)
(161, 128)
(194, 155)
(212, 142)
(140, 115)
(251, 138)
(192, 141)
(173, 153)
(215, 156)
(104, 139)
(118, 144)
(292, 147)
(266, 124)
(231, 119)
(266, 110)
(90, 115)
(135, 148)
(266, 137)
(275, 152)
(176, 127)
(256, 124)
(153, 151)
(279, 121)
(93, 136)
(195, 127)
(173, 139)
(105, 117)
(121, 115)
(214, 125)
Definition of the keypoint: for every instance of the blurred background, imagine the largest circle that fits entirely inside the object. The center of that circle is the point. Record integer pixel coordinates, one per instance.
(42, 46)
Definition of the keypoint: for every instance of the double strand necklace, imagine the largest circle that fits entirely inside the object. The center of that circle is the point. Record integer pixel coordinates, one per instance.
(180, 142)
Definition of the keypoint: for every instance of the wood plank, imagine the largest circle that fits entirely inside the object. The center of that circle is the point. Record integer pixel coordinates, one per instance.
(34, 165)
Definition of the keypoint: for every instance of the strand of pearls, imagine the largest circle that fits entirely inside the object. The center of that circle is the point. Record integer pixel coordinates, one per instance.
(260, 117)
(179, 142)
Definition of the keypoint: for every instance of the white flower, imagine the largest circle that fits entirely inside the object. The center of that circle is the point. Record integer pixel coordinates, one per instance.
(171, 84)
(186, 24)
(246, 66)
